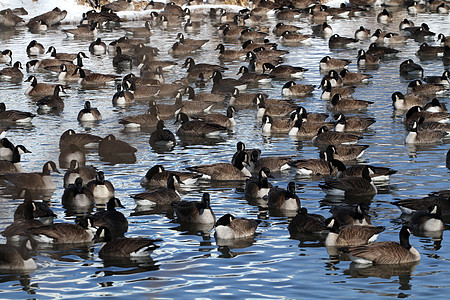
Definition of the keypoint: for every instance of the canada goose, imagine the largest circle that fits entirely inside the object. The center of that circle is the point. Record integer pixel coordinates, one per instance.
(227, 54)
(162, 137)
(444, 79)
(53, 101)
(424, 136)
(190, 107)
(326, 137)
(351, 215)
(240, 146)
(146, 120)
(64, 56)
(304, 129)
(17, 258)
(86, 173)
(367, 60)
(312, 117)
(431, 125)
(222, 120)
(193, 69)
(88, 113)
(380, 51)
(45, 64)
(235, 171)
(33, 181)
(83, 31)
(141, 91)
(333, 78)
(14, 116)
(122, 60)
(38, 89)
(284, 71)
(435, 106)
(410, 68)
(345, 152)
(109, 146)
(69, 153)
(14, 165)
(274, 108)
(336, 41)
(101, 188)
(424, 89)
(258, 187)
(290, 38)
(242, 100)
(196, 212)
(352, 124)
(197, 128)
(349, 78)
(52, 17)
(229, 227)
(97, 47)
(140, 31)
(122, 97)
(12, 73)
(313, 167)
(123, 247)
(160, 196)
(94, 79)
(37, 26)
(379, 174)
(318, 14)
(284, 199)
(6, 56)
(410, 205)
(305, 222)
(427, 51)
(384, 17)
(405, 102)
(206, 97)
(327, 63)
(158, 176)
(225, 85)
(77, 195)
(251, 77)
(110, 218)
(284, 13)
(280, 28)
(251, 34)
(64, 233)
(430, 220)
(362, 33)
(351, 235)
(66, 73)
(6, 149)
(340, 104)
(35, 48)
(351, 186)
(415, 112)
(120, 5)
(271, 125)
(394, 39)
(179, 50)
(405, 23)
(273, 163)
(84, 140)
(293, 89)
(385, 252)
(192, 42)
(443, 40)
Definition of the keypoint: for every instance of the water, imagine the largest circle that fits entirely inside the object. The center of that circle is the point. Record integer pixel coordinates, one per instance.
(189, 262)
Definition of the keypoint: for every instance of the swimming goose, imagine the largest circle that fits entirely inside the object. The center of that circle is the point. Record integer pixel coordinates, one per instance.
(197, 128)
(419, 88)
(64, 233)
(84, 140)
(430, 220)
(41, 212)
(284, 71)
(380, 51)
(305, 222)
(312, 117)
(351, 124)
(258, 187)
(86, 173)
(12, 73)
(33, 181)
(157, 176)
(77, 195)
(123, 247)
(326, 137)
(349, 78)
(110, 218)
(38, 89)
(338, 103)
(362, 33)
(351, 215)
(441, 199)
(421, 125)
(191, 107)
(283, 199)
(385, 252)
(333, 78)
(194, 69)
(162, 137)
(70, 57)
(415, 112)
(140, 31)
(341, 42)
(179, 50)
(101, 188)
(146, 120)
(273, 163)
(196, 212)
(351, 235)
(229, 54)
(69, 153)
(6, 56)
(427, 51)
(17, 258)
(122, 98)
(242, 100)
(235, 171)
(410, 68)
(222, 120)
(14, 116)
(307, 129)
(405, 102)
(394, 39)
(97, 47)
(346, 152)
(351, 186)
(424, 136)
(253, 77)
(122, 60)
(35, 48)
(379, 173)
(313, 167)
(53, 101)
(225, 85)
(367, 60)
(83, 31)
(384, 17)
(141, 92)
(52, 17)
(66, 72)
(120, 5)
(94, 79)
(274, 108)
(435, 106)
(44, 64)
(290, 38)
(110, 147)
(444, 79)
(292, 89)
(161, 195)
(88, 113)
(327, 63)
(229, 227)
